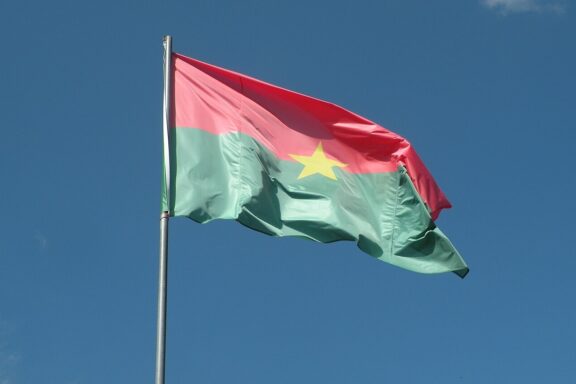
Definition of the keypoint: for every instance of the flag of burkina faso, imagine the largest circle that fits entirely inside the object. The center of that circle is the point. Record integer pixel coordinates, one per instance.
(287, 164)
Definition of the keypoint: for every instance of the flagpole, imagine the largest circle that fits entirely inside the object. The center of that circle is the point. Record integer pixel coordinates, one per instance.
(163, 264)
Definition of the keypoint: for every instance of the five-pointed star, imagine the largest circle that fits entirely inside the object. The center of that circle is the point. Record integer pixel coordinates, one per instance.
(317, 163)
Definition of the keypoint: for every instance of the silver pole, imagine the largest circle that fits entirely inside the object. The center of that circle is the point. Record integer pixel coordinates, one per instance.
(166, 112)
(163, 265)
(162, 290)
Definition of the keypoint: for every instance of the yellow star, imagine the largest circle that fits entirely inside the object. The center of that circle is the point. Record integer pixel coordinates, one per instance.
(318, 163)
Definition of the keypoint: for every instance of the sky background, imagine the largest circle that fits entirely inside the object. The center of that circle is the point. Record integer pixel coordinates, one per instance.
(485, 90)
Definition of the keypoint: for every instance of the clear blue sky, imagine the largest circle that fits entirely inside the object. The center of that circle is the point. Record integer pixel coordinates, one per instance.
(483, 89)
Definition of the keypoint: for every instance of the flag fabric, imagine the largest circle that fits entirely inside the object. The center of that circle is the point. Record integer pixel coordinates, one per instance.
(287, 164)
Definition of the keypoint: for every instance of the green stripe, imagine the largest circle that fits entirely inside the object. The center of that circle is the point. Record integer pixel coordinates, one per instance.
(232, 176)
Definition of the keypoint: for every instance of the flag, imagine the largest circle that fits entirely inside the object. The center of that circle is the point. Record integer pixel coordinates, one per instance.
(287, 164)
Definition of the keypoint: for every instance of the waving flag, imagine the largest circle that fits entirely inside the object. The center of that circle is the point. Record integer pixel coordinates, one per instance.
(287, 164)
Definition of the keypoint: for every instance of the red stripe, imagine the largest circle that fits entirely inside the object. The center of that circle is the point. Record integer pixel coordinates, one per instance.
(285, 122)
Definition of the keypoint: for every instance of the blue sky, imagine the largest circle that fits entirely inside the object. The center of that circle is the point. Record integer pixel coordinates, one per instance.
(483, 89)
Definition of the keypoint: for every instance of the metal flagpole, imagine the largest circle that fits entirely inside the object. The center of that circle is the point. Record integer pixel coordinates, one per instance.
(163, 267)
